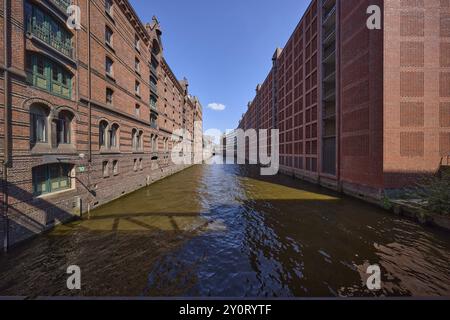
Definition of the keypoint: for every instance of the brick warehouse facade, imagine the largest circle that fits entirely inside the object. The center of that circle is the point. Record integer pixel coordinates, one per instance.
(361, 111)
(86, 115)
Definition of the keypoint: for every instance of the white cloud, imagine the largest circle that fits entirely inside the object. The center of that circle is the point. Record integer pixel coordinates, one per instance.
(216, 106)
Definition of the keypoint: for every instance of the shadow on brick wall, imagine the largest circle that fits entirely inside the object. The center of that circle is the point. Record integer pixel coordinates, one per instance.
(32, 216)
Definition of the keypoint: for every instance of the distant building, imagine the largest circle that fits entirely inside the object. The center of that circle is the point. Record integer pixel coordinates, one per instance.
(364, 111)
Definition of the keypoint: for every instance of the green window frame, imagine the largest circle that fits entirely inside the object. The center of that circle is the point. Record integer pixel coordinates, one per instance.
(47, 29)
(48, 75)
(51, 178)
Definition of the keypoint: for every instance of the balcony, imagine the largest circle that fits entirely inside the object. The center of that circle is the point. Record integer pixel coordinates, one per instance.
(43, 33)
(329, 37)
(153, 106)
(329, 53)
(328, 15)
(153, 88)
(61, 4)
(154, 70)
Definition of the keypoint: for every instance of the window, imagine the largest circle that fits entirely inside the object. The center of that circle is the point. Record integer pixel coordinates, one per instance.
(137, 65)
(137, 110)
(141, 166)
(141, 140)
(49, 75)
(51, 178)
(137, 43)
(102, 134)
(109, 7)
(153, 102)
(134, 141)
(153, 121)
(105, 169)
(48, 30)
(108, 36)
(137, 88)
(135, 167)
(38, 124)
(109, 67)
(154, 143)
(109, 96)
(113, 136)
(63, 127)
(115, 167)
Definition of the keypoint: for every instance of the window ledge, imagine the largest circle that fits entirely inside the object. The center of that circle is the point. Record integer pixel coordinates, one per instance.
(46, 148)
(110, 46)
(104, 150)
(110, 16)
(110, 77)
(55, 194)
(52, 49)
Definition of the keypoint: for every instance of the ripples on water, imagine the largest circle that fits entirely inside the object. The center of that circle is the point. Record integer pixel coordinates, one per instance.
(224, 231)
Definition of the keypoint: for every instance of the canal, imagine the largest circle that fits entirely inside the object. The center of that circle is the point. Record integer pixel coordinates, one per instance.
(224, 231)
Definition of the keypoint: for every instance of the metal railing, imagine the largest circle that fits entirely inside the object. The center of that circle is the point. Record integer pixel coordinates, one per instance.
(62, 4)
(153, 87)
(43, 33)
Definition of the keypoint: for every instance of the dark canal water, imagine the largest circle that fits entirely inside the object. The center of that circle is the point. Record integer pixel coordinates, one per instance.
(224, 231)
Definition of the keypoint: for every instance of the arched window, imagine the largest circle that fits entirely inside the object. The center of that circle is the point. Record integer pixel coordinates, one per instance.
(141, 140)
(64, 127)
(113, 136)
(134, 139)
(102, 133)
(38, 124)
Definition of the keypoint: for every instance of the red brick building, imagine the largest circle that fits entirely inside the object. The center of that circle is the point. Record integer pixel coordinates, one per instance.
(86, 115)
(360, 110)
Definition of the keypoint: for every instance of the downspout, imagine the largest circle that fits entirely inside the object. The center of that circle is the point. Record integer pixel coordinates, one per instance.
(6, 160)
(89, 101)
(338, 95)
(89, 81)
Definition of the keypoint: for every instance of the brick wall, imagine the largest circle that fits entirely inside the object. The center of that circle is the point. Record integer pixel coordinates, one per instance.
(136, 168)
(361, 97)
(414, 118)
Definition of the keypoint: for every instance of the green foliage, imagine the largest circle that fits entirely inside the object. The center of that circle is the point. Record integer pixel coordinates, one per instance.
(387, 204)
(435, 190)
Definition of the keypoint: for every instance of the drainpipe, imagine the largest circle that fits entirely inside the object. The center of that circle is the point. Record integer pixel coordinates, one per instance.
(89, 81)
(89, 103)
(338, 96)
(6, 160)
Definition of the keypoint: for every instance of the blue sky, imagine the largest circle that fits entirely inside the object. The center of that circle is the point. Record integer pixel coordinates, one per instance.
(224, 48)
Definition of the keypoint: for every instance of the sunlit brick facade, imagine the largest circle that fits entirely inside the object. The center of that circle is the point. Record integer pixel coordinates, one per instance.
(359, 110)
(90, 114)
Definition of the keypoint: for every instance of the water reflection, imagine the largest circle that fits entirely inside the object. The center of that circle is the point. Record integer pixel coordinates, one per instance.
(225, 231)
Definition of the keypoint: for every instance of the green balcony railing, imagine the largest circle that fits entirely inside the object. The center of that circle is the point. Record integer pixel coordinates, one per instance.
(55, 40)
(62, 4)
